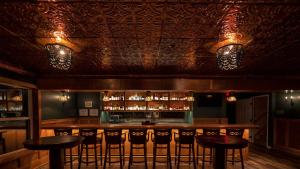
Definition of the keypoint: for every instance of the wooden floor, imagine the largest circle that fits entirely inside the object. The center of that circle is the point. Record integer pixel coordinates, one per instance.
(257, 160)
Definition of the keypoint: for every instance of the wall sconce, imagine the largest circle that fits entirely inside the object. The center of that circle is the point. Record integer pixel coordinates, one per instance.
(64, 97)
(230, 97)
(289, 95)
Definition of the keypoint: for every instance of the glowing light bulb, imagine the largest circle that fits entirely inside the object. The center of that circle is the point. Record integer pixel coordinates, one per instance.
(62, 52)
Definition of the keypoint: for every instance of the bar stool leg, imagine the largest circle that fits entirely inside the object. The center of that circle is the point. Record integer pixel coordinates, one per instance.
(121, 159)
(198, 154)
(189, 154)
(211, 155)
(175, 153)
(105, 156)
(169, 156)
(109, 155)
(80, 155)
(87, 154)
(203, 158)
(130, 156)
(145, 155)
(95, 151)
(179, 152)
(194, 160)
(154, 155)
(71, 159)
(232, 157)
(242, 159)
(123, 146)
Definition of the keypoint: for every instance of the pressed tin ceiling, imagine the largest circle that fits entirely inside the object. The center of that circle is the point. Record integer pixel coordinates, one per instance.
(153, 37)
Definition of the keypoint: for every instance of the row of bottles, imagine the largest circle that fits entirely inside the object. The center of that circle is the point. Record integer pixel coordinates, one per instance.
(113, 108)
(136, 107)
(136, 97)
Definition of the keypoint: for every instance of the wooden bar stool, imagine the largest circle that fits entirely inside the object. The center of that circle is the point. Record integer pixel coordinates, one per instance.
(138, 139)
(207, 132)
(65, 132)
(90, 138)
(161, 139)
(114, 139)
(184, 137)
(238, 133)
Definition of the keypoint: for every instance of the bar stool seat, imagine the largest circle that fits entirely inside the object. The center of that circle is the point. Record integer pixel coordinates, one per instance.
(184, 137)
(160, 139)
(114, 139)
(138, 139)
(207, 132)
(65, 132)
(90, 138)
(237, 133)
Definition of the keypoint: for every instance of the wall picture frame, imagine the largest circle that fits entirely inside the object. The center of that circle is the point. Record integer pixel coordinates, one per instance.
(88, 104)
(94, 112)
(83, 112)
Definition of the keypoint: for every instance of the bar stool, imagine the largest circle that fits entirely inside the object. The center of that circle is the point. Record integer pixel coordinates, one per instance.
(114, 139)
(207, 132)
(185, 136)
(90, 138)
(237, 133)
(138, 137)
(162, 137)
(64, 132)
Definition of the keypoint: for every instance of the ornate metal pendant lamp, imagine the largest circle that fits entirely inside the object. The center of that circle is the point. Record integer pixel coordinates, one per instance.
(60, 56)
(229, 56)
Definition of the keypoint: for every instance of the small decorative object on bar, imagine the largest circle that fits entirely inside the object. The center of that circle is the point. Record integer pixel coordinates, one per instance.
(148, 97)
(230, 53)
(190, 98)
(105, 97)
(60, 56)
(230, 97)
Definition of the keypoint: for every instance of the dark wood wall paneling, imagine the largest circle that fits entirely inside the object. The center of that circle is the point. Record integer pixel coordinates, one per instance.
(238, 84)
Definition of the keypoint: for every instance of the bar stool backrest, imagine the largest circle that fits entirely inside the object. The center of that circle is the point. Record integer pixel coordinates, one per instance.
(62, 132)
(137, 136)
(211, 132)
(235, 132)
(186, 136)
(113, 136)
(90, 136)
(162, 136)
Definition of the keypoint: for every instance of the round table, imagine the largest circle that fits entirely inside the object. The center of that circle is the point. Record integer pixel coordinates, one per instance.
(221, 143)
(55, 145)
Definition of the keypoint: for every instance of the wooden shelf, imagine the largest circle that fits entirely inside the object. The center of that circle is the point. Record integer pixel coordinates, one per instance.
(14, 118)
(167, 104)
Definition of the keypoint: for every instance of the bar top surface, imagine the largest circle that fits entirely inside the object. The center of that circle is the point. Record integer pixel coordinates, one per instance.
(129, 125)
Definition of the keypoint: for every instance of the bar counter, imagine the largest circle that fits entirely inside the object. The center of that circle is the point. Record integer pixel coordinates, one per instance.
(139, 125)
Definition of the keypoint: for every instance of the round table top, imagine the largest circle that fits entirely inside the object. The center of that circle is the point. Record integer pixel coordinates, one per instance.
(227, 142)
(52, 142)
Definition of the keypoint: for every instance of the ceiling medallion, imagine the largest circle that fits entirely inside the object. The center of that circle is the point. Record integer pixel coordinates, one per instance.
(60, 56)
(229, 56)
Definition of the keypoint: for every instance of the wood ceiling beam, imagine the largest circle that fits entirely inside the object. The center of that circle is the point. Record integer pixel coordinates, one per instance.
(14, 69)
(179, 84)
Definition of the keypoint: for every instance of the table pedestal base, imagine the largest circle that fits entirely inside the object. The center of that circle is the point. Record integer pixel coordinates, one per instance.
(56, 158)
(219, 160)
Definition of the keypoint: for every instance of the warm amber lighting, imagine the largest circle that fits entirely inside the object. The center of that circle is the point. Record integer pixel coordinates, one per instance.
(231, 99)
(58, 36)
